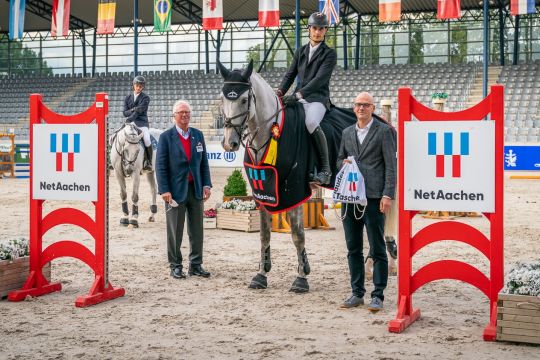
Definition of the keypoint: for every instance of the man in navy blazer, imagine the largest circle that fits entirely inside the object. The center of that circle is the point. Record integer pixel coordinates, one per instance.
(183, 177)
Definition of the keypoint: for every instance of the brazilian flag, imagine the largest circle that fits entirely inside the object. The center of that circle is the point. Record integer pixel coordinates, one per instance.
(162, 15)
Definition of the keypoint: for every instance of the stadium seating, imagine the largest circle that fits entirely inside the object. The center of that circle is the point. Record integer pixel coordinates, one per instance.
(72, 94)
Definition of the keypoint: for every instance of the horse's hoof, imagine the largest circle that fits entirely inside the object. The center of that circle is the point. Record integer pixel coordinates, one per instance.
(300, 285)
(258, 282)
(124, 222)
(133, 224)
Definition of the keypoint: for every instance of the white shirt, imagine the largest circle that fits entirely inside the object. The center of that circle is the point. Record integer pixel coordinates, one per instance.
(135, 96)
(362, 133)
(184, 134)
(312, 50)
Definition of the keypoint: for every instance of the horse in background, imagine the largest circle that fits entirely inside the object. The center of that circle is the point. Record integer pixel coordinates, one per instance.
(127, 156)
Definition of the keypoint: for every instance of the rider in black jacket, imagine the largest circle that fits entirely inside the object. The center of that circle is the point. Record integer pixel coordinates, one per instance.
(313, 63)
(135, 110)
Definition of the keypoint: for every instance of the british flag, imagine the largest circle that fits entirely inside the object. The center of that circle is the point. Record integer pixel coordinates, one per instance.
(331, 9)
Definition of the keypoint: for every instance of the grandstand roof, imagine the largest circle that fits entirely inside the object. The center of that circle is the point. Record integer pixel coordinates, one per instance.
(84, 13)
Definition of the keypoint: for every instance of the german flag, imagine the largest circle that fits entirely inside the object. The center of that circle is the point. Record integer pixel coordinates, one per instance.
(106, 10)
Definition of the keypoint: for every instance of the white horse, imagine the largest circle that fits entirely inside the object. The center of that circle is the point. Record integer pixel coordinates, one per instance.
(127, 156)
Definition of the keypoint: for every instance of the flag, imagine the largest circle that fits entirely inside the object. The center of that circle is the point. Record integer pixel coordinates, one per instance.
(60, 18)
(518, 7)
(389, 10)
(331, 9)
(448, 9)
(212, 15)
(16, 19)
(162, 15)
(268, 13)
(106, 11)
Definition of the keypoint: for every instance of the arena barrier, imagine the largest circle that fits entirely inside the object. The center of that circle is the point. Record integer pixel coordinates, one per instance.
(481, 141)
(68, 154)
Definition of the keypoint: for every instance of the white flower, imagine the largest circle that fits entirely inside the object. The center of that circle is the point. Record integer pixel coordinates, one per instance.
(239, 205)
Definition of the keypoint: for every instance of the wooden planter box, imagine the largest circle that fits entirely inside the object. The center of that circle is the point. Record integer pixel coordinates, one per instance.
(210, 223)
(238, 220)
(518, 318)
(13, 274)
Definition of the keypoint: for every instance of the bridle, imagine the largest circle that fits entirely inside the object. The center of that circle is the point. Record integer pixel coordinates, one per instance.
(129, 139)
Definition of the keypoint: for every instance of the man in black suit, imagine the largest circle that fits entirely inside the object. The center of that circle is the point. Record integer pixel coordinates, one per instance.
(372, 143)
(135, 110)
(313, 63)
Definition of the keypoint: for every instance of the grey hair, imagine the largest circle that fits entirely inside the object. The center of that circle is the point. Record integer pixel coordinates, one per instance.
(181, 102)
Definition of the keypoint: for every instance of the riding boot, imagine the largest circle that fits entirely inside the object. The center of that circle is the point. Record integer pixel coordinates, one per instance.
(324, 174)
(148, 154)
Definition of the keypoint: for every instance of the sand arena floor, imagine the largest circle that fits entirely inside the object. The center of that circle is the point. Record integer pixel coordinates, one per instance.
(220, 318)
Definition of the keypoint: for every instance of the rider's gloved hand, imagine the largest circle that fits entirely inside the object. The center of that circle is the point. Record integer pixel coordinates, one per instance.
(289, 100)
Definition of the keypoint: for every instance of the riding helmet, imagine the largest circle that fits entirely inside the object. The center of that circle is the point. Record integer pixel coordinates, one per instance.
(318, 19)
(139, 80)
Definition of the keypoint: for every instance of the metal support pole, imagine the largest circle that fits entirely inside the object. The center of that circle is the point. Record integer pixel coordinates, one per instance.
(486, 49)
(94, 46)
(83, 40)
(345, 45)
(357, 50)
(135, 37)
(9, 56)
(298, 44)
(40, 54)
(207, 51)
(106, 54)
(515, 57)
(218, 46)
(167, 51)
(267, 53)
(501, 36)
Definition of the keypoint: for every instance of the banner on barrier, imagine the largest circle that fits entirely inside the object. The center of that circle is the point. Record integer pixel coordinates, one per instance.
(446, 165)
(524, 158)
(217, 157)
(65, 162)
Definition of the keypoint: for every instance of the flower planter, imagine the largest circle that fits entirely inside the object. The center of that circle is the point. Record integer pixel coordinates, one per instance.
(238, 220)
(13, 274)
(518, 318)
(209, 223)
(243, 198)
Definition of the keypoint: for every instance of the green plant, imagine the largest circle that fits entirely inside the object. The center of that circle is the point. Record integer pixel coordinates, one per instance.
(236, 185)
(439, 95)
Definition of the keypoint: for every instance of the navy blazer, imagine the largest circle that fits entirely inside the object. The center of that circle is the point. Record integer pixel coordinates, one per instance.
(313, 76)
(172, 166)
(136, 111)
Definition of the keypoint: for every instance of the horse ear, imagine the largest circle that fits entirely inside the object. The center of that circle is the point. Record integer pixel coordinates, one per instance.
(223, 70)
(247, 73)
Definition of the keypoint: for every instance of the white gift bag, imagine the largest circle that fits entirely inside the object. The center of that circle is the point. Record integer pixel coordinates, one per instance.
(350, 187)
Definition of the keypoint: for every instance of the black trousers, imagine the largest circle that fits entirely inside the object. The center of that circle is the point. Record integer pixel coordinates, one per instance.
(373, 219)
(176, 217)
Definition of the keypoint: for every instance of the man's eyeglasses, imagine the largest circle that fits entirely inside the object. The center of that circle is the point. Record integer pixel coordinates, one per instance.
(363, 105)
(181, 112)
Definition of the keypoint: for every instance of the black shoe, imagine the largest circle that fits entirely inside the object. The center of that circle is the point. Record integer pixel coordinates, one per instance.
(198, 271)
(324, 175)
(147, 167)
(177, 273)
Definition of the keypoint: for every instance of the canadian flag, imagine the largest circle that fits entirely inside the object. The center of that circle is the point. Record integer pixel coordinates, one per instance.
(212, 15)
(268, 13)
(60, 18)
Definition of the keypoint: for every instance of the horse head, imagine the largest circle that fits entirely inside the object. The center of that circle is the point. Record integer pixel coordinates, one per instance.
(130, 148)
(238, 105)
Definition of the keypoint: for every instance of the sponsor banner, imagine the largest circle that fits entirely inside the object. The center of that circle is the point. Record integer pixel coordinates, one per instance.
(65, 163)
(217, 157)
(449, 166)
(522, 158)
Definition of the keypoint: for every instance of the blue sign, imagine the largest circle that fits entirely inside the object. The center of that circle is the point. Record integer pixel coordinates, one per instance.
(522, 157)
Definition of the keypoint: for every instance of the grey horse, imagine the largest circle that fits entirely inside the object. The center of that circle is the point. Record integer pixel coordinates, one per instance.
(253, 119)
(127, 156)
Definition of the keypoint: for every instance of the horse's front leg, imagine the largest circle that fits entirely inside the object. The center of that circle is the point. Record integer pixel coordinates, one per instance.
(124, 220)
(300, 284)
(259, 281)
(133, 221)
(153, 208)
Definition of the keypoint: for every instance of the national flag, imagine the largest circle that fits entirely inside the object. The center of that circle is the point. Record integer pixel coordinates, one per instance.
(519, 7)
(162, 15)
(106, 12)
(448, 9)
(331, 9)
(60, 18)
(268, 13)
(16, 19)
(389, 10)
(212, 15)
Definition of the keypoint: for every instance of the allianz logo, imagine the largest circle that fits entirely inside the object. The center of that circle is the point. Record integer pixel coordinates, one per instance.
(228, 156)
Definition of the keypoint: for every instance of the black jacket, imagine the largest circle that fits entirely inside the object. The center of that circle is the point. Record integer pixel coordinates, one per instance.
(313, 77)
(136, 111)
